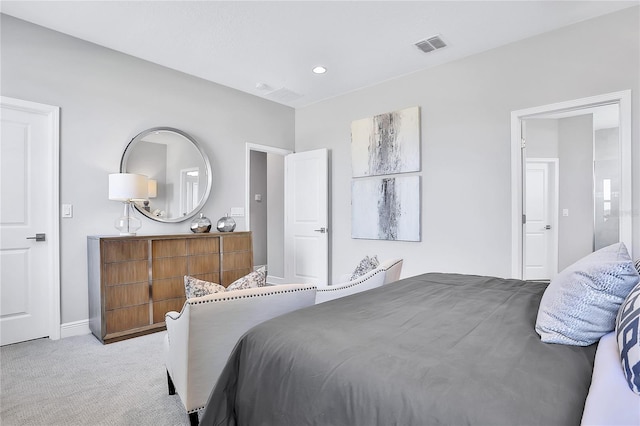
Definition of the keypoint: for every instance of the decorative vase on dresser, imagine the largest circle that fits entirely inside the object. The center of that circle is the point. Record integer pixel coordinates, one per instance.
(134, 281)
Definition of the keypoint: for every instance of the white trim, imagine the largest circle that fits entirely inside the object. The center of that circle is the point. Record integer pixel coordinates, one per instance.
(53, 116)
(623, 99)
(75, 328)
(626, 179)
(273, 280)
(247, 174)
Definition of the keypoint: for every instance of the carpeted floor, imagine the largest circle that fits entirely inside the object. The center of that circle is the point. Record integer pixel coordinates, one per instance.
(80, 381)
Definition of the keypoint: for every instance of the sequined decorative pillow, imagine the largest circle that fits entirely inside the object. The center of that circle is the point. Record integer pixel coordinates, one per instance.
(628, 336)
(581, 303)
(193, 287)
(257, 278)
(367, 264)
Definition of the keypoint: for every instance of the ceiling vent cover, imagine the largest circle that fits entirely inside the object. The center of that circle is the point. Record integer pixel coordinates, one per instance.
(283, 95)
(431, 44)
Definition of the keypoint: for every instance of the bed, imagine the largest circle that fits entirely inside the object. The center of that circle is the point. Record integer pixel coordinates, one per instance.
(610, 402)
(432, 349)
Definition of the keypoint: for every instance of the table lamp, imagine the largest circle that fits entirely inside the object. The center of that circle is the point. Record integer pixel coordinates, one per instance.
(128, 187)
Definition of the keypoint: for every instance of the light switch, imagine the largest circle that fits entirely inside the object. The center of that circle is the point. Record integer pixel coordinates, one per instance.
(258, 197)
(67, 210)
(565, 212)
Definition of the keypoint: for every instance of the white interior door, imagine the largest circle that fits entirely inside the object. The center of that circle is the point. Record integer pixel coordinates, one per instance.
(540, 252)
(29, 278)
(306, 217)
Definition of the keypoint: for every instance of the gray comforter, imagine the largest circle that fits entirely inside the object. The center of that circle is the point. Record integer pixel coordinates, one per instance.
(436, 349)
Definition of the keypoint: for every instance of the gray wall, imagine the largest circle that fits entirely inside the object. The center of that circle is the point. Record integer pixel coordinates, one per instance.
(107, 98)
(606, 166)
(465, 118)
(575, 149)
(258, 185)
(542, 138)
(275, 214)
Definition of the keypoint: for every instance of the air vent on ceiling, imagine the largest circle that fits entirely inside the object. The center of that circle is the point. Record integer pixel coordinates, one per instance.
(431, 44)
(283, 95)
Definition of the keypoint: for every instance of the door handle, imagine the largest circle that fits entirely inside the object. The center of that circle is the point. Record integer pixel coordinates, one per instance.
(38, 237)
(547, 227)
(321, 230)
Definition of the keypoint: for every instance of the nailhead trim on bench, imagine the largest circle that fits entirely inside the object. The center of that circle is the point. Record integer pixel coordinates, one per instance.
(245, 296)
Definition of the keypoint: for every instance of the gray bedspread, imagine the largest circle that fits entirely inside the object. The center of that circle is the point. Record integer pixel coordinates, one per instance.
(436, 349)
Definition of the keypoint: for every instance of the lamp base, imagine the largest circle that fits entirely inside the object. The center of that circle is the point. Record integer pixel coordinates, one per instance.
(128, 224)
(128, 234)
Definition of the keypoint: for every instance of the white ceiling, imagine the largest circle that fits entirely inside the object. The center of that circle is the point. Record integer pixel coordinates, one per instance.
(243, 43)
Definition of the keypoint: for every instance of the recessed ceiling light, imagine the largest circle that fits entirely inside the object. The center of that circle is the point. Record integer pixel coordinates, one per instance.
(319, 70)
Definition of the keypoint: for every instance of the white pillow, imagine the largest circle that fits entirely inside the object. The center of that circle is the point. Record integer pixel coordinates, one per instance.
(367, 264)
(257, 278)
(194, 287)
(581, 303)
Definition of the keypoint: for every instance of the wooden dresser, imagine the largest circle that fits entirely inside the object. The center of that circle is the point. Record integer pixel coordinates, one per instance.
(134, 281)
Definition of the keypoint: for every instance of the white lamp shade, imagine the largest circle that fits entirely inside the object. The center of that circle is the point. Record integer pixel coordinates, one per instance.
(153, 188)
(128, 187)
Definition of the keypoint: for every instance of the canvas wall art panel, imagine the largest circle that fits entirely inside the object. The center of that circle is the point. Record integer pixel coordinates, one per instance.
(386, 144)
(386, 208)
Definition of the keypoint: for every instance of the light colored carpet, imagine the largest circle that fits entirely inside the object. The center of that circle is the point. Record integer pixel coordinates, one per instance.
(80, 381)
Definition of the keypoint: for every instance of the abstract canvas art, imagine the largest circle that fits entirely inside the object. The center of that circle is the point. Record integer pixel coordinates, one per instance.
(386, 143)
(386, 208)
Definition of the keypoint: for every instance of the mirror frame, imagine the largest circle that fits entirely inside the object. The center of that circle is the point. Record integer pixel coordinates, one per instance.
(131, 145)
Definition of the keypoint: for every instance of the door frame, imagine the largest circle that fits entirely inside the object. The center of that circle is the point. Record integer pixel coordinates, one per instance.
(247, 179)
(552, 164)
(623, 99)
(247, 190)
(53, 265)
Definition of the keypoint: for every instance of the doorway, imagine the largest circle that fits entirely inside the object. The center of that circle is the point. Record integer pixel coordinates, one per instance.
(582, 209)
(264, 207)
(287, 209)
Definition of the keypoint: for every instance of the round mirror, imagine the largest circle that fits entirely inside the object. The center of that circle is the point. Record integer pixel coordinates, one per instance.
(179, 173)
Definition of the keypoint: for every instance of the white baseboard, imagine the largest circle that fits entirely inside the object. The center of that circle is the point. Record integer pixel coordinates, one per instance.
(275, 280)
(74, 328)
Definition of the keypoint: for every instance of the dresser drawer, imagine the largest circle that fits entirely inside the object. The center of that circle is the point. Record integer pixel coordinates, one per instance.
(236, 243)
(203, 264)
(127, 318)
(168, 288)
(168, 248)
(126, 272)
(238, 260)
(203, 245)
(119, 251)
(168, 267)
(162, 307)
(120, 296)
